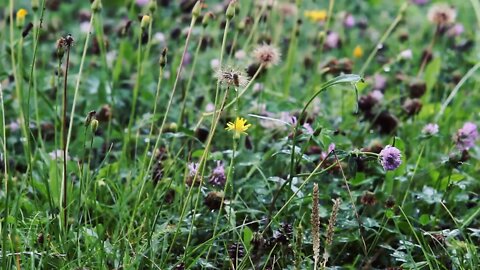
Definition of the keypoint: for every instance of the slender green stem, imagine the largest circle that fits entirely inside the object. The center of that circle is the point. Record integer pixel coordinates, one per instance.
(413, 174)
(64, 141)
(5, 179)
(79, 79)
(179, 70)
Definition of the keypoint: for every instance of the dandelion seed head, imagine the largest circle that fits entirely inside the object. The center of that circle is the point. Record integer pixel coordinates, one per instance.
(267, 55)
(231, 77)
(442, 14)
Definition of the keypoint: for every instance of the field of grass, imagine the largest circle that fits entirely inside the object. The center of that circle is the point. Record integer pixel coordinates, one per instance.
(248, 134)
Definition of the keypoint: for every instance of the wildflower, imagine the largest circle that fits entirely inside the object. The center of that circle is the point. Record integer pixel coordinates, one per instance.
(441, 14)
(215, 64)
(456, 30)
(379, 82)
(358, 52)
(332, 40)
(466, 136)
(21, 13)
(430, 129)
(218, 177)
(194, 178)
(390, 158)
(308, 128)
(267, 55)
(316, 15)
(406, 54)
(231, 77)
(238, 127)
(348, 20)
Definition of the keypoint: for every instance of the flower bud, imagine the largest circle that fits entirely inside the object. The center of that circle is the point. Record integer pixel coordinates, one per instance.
(21, 13)
(89, 118)
(145, 21)
(96, 6)
(152, 6)
(35, 5)
(206, 18)
(163, 58)
(197, 9)
(230, 10)
(94, 125)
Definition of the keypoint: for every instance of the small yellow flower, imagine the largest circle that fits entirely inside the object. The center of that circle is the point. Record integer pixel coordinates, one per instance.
(358, 52)
(21, 13)
(238, 127)
(316, 15)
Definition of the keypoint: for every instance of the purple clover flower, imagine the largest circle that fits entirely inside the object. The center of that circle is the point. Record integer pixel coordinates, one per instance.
(390, 158)
(466, 136)
(218, 177)
(193, 168)
(430, 129)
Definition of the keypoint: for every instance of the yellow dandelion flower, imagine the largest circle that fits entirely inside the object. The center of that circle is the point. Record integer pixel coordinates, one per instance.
(316, 15)
(358, 52)
(21, 13)
(238, 127)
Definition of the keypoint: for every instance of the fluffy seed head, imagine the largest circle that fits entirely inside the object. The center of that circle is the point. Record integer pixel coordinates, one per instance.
(267, 55)
(442, 14)
(232, 77)
(466, 137)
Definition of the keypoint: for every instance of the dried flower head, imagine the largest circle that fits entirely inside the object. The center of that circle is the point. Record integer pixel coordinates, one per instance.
(430, 129)
(368, 198)
(390, 158)
(442, 14)
(232, 77)
(315, 221)
(214, 200)
(267, 55)
(466, 137)
(238, 127)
